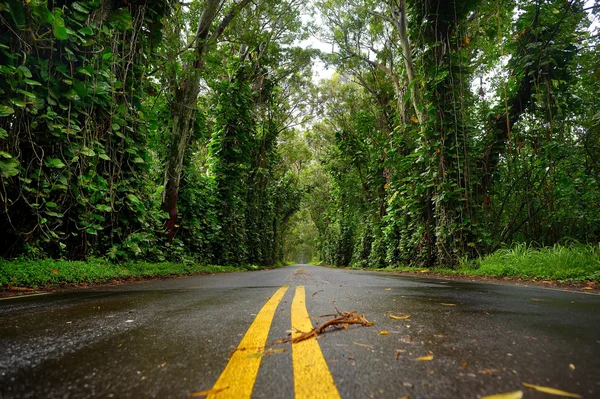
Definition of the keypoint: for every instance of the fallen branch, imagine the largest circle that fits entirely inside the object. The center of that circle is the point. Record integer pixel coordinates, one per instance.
(342, 319)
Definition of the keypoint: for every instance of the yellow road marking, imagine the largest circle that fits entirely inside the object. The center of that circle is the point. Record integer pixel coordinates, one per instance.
(237, 380)
(312, 378)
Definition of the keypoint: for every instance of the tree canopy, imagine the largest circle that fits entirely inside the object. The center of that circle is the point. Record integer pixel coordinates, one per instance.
(165, 130)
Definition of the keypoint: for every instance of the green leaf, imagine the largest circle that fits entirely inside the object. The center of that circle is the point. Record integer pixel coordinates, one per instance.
(9, 167)
(54, 163)
(41, 11)
(24, 70)
(87, 31)
(104, 156)
(5, 110)
(5, 155)
(27, 94)
(51, 204)
(32, 82)
(3, 133)
(19, 103)
(17, 12)
(88, 152)
(59, 30)
(79, 7)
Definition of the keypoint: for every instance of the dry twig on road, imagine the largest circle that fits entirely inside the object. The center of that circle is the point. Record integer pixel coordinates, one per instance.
(342, 320)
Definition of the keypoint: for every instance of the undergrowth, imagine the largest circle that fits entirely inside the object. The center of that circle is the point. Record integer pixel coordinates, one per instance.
(562, 263)
(48, 272)
(576, 263)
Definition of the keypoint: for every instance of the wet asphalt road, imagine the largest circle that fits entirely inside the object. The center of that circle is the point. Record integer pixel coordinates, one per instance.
(169, 338)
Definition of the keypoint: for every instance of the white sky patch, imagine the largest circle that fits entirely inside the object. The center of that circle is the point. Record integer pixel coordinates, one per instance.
(320, 71)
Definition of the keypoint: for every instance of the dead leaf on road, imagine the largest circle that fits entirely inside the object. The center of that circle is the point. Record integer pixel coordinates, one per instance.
(552, 391)
(424, 358)
(404, 317)
(572, 366)
(507, 395)
(384, 332)
(387, 289)
(207, 392)
(447, 304)
(488, 371)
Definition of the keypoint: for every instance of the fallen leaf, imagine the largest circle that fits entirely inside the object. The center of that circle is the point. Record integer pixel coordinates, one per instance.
(587, 288)
(552, 391)
(424, 358)
(572, 366)
(207, 392)
(424, 271)
(398, 352)
(404, 317)
(464, 365)
(55, 271)
(387, 289)
(384, 332)
(363, 345)
(488, 371)
(447, 304)
(507, 395)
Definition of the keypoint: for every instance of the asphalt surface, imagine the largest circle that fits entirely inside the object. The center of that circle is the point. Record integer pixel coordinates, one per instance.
(170, 338)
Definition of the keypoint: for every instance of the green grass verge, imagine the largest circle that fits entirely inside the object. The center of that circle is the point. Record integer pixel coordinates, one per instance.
(48, 272)
(576, 263)
(561, 263)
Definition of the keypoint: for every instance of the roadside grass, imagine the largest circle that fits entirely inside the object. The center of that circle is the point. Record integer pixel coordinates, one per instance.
(561, 263)
(50, 272)
(572, 263)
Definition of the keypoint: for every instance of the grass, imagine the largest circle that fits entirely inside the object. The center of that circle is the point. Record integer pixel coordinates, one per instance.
(50, 272)
(560, 263)
(573, 263)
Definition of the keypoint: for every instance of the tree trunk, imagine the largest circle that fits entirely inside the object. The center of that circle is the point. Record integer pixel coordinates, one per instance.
(184, 104)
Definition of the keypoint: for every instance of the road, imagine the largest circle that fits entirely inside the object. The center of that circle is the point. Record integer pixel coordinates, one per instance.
(172, 338)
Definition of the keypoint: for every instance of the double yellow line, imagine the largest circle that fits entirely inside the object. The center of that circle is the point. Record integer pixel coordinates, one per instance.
(312, 378)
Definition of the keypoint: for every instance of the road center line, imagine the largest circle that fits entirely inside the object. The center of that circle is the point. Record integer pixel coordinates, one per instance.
(237, 380)
(312, 378)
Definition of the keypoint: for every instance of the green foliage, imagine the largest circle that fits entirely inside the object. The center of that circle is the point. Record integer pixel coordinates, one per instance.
(499, 147)
(561, 263)
(74, 144)
(49, 272)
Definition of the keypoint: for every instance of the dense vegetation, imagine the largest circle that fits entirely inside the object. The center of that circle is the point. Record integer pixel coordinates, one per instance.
(453, 129)
(148, 129)
(192, 131)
